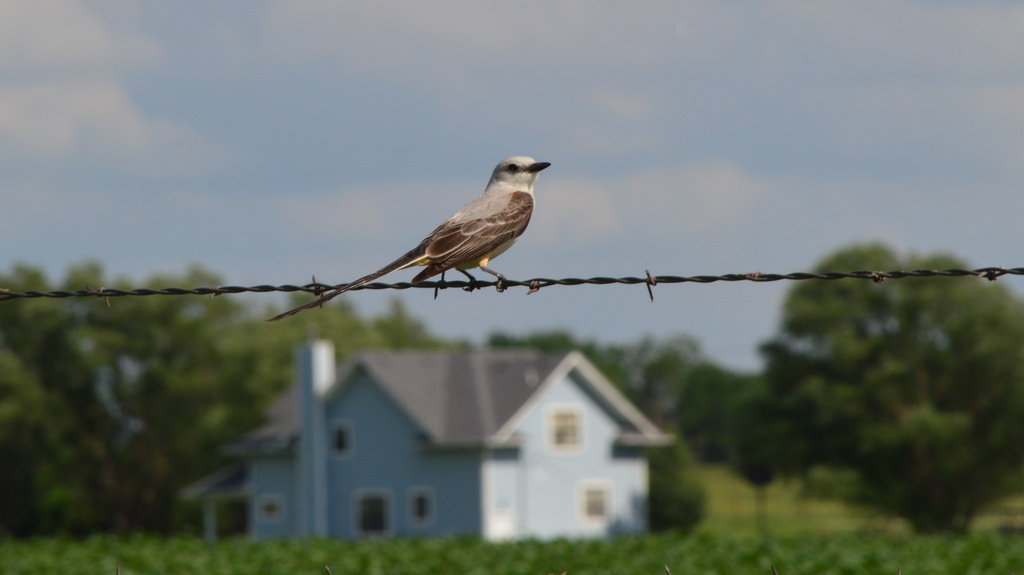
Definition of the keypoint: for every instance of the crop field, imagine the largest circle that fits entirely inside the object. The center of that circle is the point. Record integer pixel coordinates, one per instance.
(796, 536)
(684, 555)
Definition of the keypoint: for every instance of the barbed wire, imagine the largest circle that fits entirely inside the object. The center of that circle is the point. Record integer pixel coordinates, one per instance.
(650, 280)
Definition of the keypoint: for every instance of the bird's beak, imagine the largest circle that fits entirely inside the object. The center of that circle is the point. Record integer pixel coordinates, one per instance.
(537, 166)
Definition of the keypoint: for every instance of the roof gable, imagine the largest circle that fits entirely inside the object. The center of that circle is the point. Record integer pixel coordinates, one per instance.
(634, 426)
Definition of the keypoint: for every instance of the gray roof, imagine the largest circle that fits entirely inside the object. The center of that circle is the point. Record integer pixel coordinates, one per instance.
(461, 397)
(455, 398)
(278, 433)
(229, 481)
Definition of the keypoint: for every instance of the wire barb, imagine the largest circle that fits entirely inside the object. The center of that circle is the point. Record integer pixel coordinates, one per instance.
(990, 273)
(651, 281)
(533, 285)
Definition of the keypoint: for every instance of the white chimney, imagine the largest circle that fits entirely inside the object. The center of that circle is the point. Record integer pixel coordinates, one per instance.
(315, 373)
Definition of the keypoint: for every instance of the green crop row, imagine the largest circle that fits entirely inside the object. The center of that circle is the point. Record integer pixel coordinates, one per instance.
(689, 555)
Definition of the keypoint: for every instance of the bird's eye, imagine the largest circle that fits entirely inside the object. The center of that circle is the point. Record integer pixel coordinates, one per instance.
(513, 168)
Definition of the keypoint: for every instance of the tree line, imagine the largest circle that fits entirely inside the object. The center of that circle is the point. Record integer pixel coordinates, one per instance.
(909, 392)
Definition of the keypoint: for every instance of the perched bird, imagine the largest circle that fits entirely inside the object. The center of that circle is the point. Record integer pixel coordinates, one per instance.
(479, 232)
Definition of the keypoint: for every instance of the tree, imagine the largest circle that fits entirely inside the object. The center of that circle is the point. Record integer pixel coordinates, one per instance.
(916, 386)
(41, 375)
(107, 411)
(677, 500)
(708, 413)
(658, 373)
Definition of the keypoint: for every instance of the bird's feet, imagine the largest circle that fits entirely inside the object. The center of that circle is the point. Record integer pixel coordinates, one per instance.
(498, 285)
(472, 282)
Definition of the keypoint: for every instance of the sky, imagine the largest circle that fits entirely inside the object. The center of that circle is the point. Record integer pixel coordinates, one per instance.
(272, 141)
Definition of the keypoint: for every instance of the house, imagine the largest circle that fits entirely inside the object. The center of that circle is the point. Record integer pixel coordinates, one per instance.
(499, 443)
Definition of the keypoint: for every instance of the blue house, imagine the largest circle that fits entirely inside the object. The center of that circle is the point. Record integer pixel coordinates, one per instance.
(501, 444)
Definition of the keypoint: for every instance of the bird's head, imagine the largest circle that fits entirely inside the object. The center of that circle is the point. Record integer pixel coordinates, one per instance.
(519, 172)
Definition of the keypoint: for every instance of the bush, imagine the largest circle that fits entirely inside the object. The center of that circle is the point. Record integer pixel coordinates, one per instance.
(676, 499)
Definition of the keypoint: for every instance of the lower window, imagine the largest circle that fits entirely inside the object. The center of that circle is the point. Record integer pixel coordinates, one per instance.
(372, 514)
(421, 506)
(270, 507)
(595, 504)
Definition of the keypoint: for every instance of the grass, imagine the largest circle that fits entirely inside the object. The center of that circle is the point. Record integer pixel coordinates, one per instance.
(732, 510)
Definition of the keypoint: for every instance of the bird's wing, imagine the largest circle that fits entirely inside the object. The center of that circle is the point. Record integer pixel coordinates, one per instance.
(455, 243)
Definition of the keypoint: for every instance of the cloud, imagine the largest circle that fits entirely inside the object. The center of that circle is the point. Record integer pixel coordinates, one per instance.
(413, 33)
(95, 120)
(1001, 111)
(854, 43)
(622, 104)
(574, 210)
(717, 192)
(649, 204)
(47, 35)
(481, 60)
(28, 206)
(334, 215)
(64, 98)
(722, 79)
(798, 39)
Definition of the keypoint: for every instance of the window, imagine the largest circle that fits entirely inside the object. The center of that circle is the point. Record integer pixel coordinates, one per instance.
(341, 438)
(564, 429)
(373, 514)
(270, 507)
(595, 502)
(421, 506)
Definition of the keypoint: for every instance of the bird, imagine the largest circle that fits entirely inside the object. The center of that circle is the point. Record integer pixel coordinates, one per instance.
(476, 234)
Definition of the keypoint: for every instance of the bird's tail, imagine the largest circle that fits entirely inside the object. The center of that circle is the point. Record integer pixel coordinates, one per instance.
(312, 304)
(407, 260)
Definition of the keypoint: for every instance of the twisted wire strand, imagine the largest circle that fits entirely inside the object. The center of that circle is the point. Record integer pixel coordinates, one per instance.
(990, 273)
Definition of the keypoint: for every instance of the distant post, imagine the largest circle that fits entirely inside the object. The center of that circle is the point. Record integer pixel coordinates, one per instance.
(760, 477)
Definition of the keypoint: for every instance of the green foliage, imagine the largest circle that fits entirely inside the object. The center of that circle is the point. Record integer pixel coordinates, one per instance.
(916, 385)
(846, 555)
(107, 411)
(676, 499)
(659, 371)
(709, 412)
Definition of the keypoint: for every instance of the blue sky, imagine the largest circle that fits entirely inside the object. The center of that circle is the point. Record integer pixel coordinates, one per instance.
(270, 141)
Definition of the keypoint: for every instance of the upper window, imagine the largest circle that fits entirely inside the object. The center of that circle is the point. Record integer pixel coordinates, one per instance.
(565, 429)
(341, 438)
